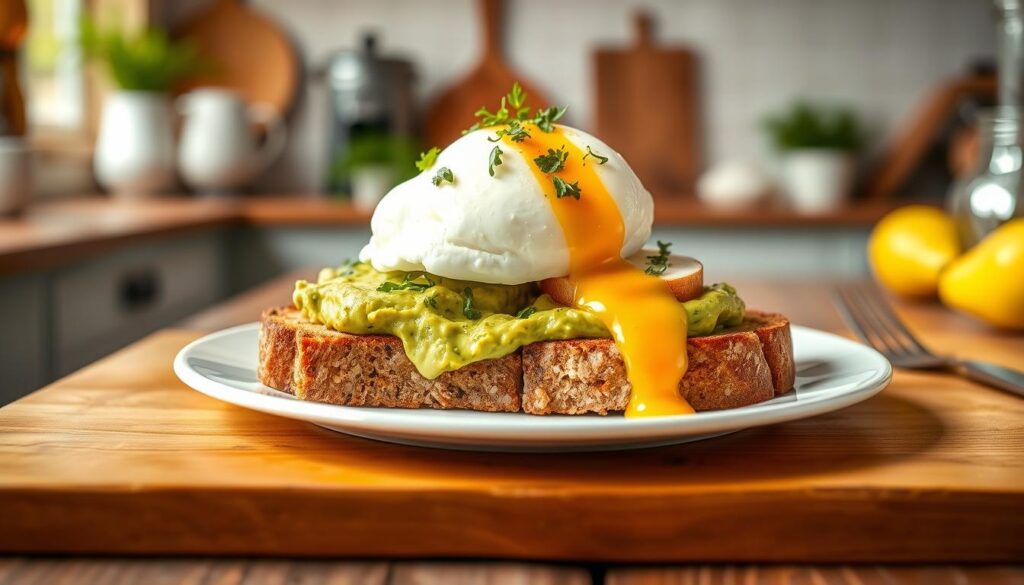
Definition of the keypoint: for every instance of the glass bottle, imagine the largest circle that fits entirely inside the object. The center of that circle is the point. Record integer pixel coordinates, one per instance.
(988, 196)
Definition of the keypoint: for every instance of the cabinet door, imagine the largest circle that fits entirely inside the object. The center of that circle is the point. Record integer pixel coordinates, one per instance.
(105, 304)
(23, 337)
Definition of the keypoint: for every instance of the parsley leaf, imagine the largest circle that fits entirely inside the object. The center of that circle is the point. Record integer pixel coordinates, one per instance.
(546, 117)
(517, 99)
(427, 159)
(657, 265)
(467, 305)
(600, 159)
(408, 283)
(514, 131)
(564, 189)
(443, 174)
(553, 161)
(526, 312)
(494, 160)
(431, 301)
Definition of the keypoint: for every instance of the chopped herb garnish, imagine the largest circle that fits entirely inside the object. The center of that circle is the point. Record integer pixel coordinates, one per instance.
(443, 174)
(467, 305)
(431, 301)
(408, 283)
(526, 312)
(514, 131)
(600, 159)
(553, 161)
(348, 267)
(427, 159)
(517, 99)
(564, 189)
(546, 117)
(494, 160)
(657, 265)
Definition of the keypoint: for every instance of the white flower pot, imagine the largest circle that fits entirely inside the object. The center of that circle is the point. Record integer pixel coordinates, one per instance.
(135, 149)
(370, 184)
(817, 180)
(15, 174)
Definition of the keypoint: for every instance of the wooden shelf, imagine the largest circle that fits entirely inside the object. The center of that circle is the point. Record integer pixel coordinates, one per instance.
(57, 232)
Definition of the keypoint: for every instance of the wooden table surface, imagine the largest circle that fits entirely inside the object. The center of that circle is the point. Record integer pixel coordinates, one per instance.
(121, 458)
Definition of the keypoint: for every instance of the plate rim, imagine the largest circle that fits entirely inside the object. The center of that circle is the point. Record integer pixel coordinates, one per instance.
(490, 427)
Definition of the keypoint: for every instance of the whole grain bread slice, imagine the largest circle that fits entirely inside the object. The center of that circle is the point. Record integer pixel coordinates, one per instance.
(743, 366)
(320, 364)
(740, 367)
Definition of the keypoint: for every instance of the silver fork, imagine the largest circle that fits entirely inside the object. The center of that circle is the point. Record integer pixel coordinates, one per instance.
(871, 318)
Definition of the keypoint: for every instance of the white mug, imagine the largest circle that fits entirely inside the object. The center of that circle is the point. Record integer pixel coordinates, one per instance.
(218, 151)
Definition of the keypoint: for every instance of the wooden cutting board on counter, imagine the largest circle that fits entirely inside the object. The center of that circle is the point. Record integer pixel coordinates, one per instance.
(122, 458)
(492, 77)
(646, 107)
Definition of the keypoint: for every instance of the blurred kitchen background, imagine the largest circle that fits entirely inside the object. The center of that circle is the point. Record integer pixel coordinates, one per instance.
(159, 156)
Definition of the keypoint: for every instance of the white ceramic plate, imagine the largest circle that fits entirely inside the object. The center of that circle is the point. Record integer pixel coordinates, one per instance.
(832, 373)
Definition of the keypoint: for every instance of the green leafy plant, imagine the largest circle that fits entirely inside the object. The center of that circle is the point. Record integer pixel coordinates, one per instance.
(146, 61)
(399, 153)
(805, 125)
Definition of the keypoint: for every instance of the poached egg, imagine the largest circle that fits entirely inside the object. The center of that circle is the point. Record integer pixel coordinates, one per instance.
(513, 227)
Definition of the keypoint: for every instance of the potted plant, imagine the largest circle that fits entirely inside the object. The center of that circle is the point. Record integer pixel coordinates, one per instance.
(818, 147)
(135, 153)
(373, 163)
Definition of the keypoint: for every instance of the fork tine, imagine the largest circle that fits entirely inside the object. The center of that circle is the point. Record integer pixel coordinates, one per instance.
(886, 313)
(873, 320)
(852, 311)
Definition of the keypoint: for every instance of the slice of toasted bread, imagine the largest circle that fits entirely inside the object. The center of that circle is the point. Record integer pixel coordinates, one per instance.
(740, 367)
(743, 366)
(319, 364)
(684, 276)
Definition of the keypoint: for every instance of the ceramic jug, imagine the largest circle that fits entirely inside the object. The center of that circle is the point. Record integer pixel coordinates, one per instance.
(134, 154)
(219, 151)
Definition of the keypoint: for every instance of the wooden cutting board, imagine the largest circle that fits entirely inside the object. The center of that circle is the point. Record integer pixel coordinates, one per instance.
(122, 458)
(646, 107)
(492, 77)
(247, 51)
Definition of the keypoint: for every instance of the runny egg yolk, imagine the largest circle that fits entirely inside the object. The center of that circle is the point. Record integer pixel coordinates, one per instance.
(645, 319)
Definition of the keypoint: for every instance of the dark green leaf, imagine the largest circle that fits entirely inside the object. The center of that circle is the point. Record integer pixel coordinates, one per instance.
(600, 159)
(564, 189)
(467, 305)
(444, 174)
(494, 160)
(657, 265)
(553, 161)
(408, 283)
(546, 117)
(526, 312)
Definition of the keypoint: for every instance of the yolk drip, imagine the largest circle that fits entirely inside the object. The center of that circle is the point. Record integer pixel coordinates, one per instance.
(645, 319)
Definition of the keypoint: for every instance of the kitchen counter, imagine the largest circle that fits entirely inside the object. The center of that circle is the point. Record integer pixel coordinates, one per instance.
(122, 458)
(59, 232)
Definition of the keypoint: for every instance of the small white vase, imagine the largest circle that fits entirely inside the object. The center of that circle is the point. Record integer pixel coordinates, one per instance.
(370, 184)
(134, 155)
(817, 180)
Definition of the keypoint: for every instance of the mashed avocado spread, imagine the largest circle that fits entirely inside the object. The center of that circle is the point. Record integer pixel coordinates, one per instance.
(445, 324)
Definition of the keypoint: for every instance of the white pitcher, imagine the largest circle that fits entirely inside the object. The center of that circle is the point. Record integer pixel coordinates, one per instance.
(219, 152)
(135, 148)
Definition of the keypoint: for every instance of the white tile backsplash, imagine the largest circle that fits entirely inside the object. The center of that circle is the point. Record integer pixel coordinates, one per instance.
(879, 56)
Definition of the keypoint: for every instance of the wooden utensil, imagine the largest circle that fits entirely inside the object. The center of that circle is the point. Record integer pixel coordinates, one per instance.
(491, 78)
(248, 53)
(646, 108)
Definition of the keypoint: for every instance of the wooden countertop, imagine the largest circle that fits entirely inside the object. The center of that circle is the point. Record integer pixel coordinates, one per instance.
(122, 458)
(59, 232)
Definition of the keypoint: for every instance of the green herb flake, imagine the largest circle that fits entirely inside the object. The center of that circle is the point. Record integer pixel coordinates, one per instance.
(546, 118)
(431, 301)
(427, 159)
(600, 159)
(467, 305)
(515, 132)
(408, 283)
(526, 312)
(657, 265)
(494, 160)
(444, 174)
(553, 161)
(564, 189)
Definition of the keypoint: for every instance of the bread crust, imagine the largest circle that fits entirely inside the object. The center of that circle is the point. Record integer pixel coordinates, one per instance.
(727, 370)
(743, 366)
(319, 364)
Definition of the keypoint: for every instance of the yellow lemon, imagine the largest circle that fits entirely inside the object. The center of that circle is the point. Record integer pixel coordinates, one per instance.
(988, 281)
(909, 248)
